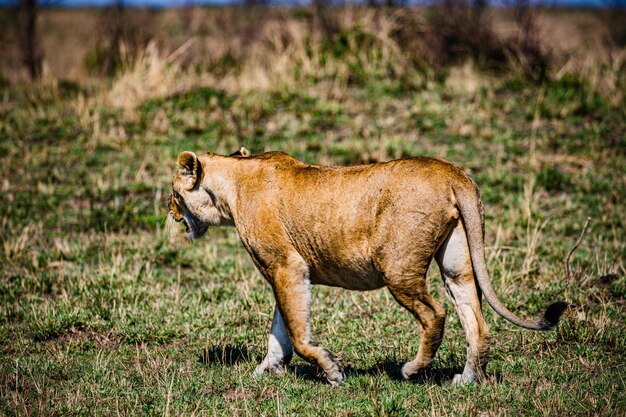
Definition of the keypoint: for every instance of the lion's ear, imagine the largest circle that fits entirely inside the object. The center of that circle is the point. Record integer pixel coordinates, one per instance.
(190, 168)
(243, 152)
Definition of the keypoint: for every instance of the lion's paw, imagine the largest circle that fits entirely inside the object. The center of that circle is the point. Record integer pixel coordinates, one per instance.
(412, 371)
(264, 367)
(260, 370)
(457, 380)
(408, 369)
(335, 375)
(462, 379)
(336, 378)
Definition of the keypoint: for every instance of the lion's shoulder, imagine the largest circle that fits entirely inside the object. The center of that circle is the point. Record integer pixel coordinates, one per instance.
(275, 156)
(277, 160)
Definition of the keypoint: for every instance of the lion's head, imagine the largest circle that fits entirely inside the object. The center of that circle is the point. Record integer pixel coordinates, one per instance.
(199, 196)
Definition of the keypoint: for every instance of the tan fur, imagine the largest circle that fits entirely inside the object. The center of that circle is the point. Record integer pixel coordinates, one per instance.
(359, 228)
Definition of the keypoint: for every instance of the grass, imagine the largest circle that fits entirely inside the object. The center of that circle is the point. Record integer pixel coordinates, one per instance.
(103, 313)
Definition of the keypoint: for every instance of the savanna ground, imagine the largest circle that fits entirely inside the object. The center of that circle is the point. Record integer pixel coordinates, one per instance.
(103, 312)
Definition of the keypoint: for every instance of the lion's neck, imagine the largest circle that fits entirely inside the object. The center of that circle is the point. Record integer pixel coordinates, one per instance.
(220, 183)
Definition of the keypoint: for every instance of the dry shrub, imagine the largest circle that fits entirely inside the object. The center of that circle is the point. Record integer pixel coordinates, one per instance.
(601, 60)
(457, 30)
(358, 46)
(119, 26)
(147, 75)
(604, 71)
(465, 79)
(333, 48)
(613, 78)
(614, 16)
(527, 55)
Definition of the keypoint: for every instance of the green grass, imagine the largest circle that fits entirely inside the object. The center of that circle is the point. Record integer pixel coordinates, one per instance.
(101, 313)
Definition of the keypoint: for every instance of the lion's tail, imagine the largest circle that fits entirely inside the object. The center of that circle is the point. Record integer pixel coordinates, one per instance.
(470, 206)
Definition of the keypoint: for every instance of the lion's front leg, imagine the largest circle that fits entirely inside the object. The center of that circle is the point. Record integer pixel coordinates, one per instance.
(292, 289)
(279, 350)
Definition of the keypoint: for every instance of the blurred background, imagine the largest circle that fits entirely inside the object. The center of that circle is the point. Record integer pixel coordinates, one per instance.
(83, 40)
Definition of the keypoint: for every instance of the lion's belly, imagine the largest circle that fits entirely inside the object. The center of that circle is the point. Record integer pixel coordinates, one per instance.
(360, 279)
(340, 259)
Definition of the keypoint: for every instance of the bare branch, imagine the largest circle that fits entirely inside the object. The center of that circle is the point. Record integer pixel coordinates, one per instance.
(573, 248)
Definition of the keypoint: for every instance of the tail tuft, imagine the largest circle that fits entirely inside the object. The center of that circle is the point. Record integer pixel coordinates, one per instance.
(553, 315)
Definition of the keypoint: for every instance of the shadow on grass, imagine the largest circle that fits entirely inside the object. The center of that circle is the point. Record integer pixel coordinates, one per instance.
(435, 376)
(227, 355)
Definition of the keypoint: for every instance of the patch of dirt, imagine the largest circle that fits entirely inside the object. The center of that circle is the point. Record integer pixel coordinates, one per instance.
(107, 341)
(237, 394)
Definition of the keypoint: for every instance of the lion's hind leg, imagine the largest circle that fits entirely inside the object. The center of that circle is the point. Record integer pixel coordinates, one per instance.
(456, 269)
(411, 292)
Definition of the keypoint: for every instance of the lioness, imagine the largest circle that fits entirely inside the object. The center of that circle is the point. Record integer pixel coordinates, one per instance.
(360, 228)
